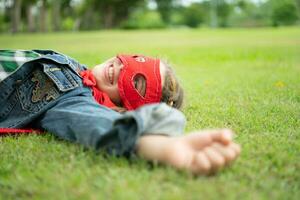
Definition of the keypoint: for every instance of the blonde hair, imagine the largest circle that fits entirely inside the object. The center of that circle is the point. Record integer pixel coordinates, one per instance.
(172, 92)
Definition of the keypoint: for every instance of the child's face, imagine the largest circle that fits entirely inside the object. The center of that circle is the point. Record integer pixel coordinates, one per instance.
(107, 75)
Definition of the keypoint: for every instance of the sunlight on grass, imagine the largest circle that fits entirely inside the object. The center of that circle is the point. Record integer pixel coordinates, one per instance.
(247, 80)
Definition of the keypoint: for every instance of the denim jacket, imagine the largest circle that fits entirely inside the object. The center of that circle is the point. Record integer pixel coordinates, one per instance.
(47, 93)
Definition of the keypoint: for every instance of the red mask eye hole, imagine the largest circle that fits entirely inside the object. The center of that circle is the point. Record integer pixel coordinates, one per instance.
(140, 59)
(140, 84)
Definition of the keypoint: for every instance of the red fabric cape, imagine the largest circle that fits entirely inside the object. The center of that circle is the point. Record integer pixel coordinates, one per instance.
(13, 131)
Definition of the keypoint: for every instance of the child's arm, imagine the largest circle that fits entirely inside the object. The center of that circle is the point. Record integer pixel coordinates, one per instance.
(82, 120)
(200, 153)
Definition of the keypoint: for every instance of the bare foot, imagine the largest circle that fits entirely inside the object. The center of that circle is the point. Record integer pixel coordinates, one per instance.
(203, 152)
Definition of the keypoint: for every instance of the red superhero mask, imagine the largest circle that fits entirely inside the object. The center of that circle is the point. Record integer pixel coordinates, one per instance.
(135, 66)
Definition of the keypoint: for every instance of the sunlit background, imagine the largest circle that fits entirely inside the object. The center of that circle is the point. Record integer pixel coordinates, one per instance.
(75, 15)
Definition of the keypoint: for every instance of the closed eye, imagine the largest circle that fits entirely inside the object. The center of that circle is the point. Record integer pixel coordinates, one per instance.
(117, 62)
(140, 84)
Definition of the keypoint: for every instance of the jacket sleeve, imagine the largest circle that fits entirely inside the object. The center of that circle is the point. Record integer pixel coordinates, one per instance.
(80, 119)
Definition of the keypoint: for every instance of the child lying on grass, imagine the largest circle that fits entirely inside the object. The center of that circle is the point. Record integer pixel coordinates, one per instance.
(49, 91)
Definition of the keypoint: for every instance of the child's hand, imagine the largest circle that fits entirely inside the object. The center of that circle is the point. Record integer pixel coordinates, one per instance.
(203, 152)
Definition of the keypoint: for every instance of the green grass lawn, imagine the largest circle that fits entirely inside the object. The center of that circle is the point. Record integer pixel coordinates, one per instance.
(247, 80)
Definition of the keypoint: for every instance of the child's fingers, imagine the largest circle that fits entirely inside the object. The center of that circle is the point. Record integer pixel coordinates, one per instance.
(229, 152)
(223, 135)
(236, 148)
(201, 139)
(216, 159)
(201, 164)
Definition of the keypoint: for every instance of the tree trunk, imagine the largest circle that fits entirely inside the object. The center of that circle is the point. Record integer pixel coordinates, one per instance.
(108, 17)
(86, 21)
(213, 14)
(16, 16)
(56, 20)
(43, 17)
(30, 18)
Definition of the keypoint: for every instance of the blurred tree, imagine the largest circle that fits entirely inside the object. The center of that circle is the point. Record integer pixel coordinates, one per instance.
(213, 13)
(16, 16)
(177, 18)
(60, 9)
(249, 13)
(43, 15)
(194, 14)
(114, 12)
(85, 13)
(165, 7)
(223, 10)
(241, 4)
(5, 15)
(144, 19)
(219, 12)
(56, 14)
(94, 14)
(298, 4)
(30, 18)
(284, 12)
(32, 15)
